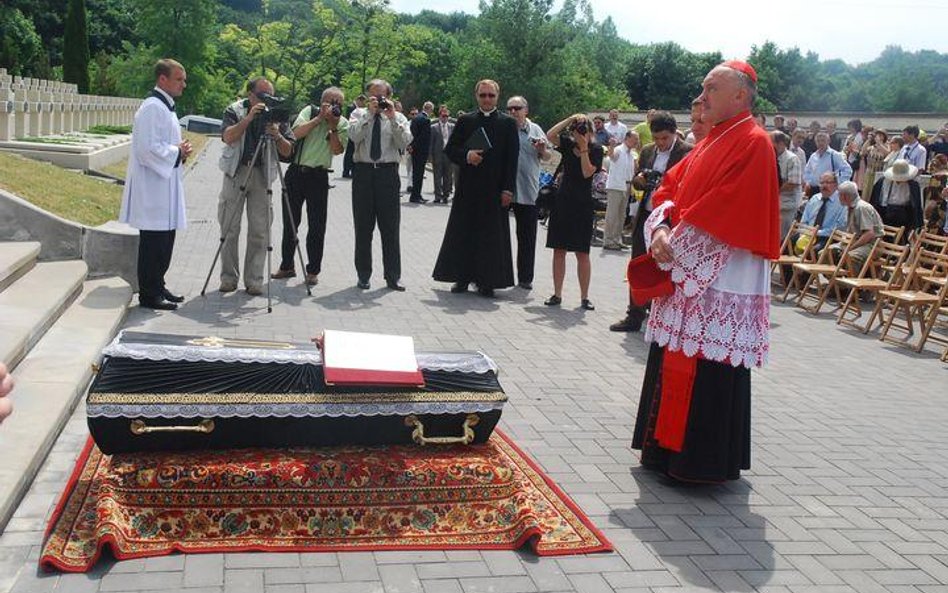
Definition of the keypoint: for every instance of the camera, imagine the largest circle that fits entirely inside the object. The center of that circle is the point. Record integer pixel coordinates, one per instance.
(384, 103)
(579, 126)
(276, 110)
(653, 179)
(335, 109)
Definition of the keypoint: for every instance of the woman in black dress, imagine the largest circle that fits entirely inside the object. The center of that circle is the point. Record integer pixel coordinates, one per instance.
(571, 220)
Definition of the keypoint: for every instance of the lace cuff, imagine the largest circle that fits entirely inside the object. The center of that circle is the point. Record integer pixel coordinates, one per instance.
(699, 258)
(655, 220)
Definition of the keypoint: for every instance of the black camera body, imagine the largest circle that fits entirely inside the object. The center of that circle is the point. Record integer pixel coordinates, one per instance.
(384, 103)
(653, 179)
(579, 126)
(335, 109)
(276, 112)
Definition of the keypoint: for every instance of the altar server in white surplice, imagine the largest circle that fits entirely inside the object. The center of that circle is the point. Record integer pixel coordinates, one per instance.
(153, 201)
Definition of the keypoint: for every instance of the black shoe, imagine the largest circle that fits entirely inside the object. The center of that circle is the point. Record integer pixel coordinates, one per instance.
(157, 304)
(363, 284)
(173, 298)
(526, 285)
(553, 301)
(459, 287)
(418, 200)
(394, 285)
(347, 175)
(485, 292)
(626, 325)
(587, 305)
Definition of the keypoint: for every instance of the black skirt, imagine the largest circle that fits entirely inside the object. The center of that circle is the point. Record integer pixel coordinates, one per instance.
(717, 438)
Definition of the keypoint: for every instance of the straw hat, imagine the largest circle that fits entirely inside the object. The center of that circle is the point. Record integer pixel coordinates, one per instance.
(901, 170)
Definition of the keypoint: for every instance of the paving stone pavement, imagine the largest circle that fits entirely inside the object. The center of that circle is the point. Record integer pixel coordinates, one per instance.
(847, 491)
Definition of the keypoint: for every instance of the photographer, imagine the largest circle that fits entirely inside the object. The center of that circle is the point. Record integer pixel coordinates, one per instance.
(658, 157)
(571, 221)
(379, 134)
(244, 122)
(321, 133)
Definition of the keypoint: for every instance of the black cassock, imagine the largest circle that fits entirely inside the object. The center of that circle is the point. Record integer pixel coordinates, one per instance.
(476, 245)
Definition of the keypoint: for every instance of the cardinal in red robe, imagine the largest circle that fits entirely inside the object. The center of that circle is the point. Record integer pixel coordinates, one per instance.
(714, 226)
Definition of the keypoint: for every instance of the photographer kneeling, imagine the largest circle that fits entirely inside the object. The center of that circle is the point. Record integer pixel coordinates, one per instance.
(321, 133)
(244, 123)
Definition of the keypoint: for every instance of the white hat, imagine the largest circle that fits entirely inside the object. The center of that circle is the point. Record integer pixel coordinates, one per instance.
(901, 170)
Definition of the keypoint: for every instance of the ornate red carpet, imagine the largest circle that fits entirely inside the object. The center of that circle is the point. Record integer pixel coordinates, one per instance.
(482, 497)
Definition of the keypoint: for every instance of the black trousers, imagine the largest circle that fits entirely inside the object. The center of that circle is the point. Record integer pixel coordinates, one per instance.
(154, 257)
(310, 186)
(375, 201)
(527, 217)
(418, 160)
(347, 159)
(900, 216)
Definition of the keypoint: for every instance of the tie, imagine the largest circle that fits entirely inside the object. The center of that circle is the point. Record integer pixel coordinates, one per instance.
(822, 213)
(375, 149)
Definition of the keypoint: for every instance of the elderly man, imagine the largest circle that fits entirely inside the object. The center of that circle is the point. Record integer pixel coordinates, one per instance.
(618, 188)
(825, 159)
(897, 197)
(862, 221)
(824, 210)
(476, 246)
(615, 128)
(322, 133)
(441, 165)
(245, 183)
(379, 132)
(533, 150)
(791, 180)
(721, 202)
(153, 198)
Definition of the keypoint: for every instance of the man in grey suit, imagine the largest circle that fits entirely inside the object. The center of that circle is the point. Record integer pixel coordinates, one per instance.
(441, 165)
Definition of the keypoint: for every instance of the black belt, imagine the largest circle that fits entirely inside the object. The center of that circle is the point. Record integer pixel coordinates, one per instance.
(306, 169)
(378, 165)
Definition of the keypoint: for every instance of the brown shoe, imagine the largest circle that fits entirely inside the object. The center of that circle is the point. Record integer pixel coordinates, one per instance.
(312, 279)
(282, 274)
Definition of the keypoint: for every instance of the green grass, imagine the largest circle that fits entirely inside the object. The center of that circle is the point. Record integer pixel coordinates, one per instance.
(68, 194)
(104, 129)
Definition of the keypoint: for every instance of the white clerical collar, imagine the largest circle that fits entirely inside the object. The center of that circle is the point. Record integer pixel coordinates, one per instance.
(487, 113)
(167, 96)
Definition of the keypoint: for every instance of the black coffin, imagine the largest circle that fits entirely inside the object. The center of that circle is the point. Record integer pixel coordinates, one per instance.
(157, 392)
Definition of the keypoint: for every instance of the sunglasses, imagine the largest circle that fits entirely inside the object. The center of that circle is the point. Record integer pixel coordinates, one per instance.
(514, 107)
(486, 95)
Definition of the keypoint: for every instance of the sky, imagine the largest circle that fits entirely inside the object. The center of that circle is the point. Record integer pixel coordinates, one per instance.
(855, 31)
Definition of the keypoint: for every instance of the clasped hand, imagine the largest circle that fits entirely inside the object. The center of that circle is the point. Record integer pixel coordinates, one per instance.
(661, 246)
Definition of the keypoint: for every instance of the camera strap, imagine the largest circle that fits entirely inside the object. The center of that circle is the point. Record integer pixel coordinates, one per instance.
(298, 147)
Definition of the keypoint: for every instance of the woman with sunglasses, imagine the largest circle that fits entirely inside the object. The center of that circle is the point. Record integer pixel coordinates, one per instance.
(571, 221)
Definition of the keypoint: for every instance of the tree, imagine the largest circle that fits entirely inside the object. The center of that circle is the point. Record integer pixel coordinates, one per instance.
(76, 42)
(20, 46)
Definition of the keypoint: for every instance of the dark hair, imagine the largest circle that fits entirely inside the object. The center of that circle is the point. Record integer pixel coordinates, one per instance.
(913, 130)
(663, 121)
(780, 138)
(855, 124)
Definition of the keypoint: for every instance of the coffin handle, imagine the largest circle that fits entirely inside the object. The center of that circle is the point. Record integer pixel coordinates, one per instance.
(418, 434)
(138, 427)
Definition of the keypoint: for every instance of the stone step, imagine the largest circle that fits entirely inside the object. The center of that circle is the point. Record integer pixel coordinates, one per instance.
(32, 303)
(16, 258)
(51, 380)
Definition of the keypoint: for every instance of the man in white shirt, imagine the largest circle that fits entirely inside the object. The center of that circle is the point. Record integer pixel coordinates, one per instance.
(621, 172)
(791, 180)
(616, 128)
(913, 151)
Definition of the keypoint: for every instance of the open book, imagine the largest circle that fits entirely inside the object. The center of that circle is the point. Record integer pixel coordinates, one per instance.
(353, 358)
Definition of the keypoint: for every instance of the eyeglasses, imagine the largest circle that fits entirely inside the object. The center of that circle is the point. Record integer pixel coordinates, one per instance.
(514, 107)
(486, 95)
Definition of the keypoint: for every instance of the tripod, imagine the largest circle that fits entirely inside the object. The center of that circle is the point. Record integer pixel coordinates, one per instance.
(265, 147)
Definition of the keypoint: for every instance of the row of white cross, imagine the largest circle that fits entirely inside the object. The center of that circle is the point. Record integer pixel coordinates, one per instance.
(32, 107)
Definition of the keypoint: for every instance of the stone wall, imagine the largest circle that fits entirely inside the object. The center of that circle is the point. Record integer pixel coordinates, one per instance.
(32, 107)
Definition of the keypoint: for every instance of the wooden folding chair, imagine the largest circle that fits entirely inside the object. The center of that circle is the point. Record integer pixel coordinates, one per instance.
(788, 255)
(921, 297)
(892, 234)
(882, 271)
(822, 275)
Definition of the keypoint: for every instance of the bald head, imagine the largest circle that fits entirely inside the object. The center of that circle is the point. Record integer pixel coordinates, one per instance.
(726, 93)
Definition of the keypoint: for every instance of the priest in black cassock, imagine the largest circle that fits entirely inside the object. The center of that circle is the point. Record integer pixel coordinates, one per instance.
(476, 246)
